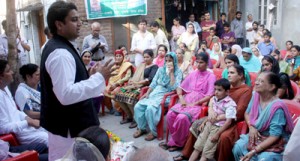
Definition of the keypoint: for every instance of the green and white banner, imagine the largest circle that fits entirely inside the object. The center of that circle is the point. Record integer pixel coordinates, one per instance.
(97, 9)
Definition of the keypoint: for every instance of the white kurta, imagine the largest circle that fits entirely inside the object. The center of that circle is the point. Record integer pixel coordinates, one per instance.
(13, 120)
(143, 43)
(160, 38)
(61, 67)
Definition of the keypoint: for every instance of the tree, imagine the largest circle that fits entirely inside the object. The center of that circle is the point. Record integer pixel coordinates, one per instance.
(10, 31)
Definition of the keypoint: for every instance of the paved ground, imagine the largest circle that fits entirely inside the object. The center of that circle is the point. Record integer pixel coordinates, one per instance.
(112, 123)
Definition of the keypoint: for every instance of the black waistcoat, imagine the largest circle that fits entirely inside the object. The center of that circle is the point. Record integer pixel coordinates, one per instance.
(58, 118)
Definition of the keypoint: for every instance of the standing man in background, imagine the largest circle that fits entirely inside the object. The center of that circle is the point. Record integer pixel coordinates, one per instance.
(67, 88)
(249, 30)
(206, 25)
(22, 46)
(195, 23)
(92, 40)
(238, 28)
(48, 35)
(220, 23)
(141, 41)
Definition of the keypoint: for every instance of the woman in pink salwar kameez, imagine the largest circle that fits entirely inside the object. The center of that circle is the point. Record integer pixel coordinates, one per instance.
(199, 88)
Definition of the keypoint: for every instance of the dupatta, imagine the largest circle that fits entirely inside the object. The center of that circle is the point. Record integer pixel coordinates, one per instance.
(262, 121)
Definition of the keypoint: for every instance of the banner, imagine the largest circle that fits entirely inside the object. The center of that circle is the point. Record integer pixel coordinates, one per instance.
(97, 9)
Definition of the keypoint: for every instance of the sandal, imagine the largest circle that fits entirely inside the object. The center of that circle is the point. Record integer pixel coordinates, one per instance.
(174, 148)
(164, 145)
(133, 125)
(180, 157)
(125, 121)
(150, 137)
(139, 133)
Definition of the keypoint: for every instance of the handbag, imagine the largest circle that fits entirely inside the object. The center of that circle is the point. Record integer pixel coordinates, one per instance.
(276, 147)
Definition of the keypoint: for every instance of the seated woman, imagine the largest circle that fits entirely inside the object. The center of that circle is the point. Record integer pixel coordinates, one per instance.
(286, 90)
(27, 97)
(216, 51)
(236, 50)
(257, 53)
(86, 57)
(190, 39)
(184, 66)
(161, 53)
(270, 64)
(199, 88)
(241, 94)
(188, 56)
(294, 62)
(92, 144)
(126, 56)
(148, 110)
(248, 61)
(283, 65)
(231, 60)
(128, 95)
(268, 120)
(123, 73)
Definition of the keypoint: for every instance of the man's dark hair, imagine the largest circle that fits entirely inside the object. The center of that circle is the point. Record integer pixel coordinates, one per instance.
(58, 11)
(154, 24)
(98, 137)
(3, 64)
(268, 33)
(205, 12)
(223, 14)
(226, 24)
(255, 22)
(224, 83)
(262, 25)
(290, 41)
(142, 21)
(4, 24)
(238, 12)
(46, 30)
(212, 28)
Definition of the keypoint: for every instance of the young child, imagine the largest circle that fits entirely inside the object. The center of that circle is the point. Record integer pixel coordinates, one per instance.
(222, 110)
(266, 47)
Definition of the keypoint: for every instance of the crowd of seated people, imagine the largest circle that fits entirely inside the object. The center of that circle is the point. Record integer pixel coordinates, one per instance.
(259, 77)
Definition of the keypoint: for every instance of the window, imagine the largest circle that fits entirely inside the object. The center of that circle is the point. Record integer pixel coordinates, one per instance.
(264, 12)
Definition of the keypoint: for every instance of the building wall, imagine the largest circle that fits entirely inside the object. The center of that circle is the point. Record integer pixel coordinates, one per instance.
(288, 24)
(154, 11)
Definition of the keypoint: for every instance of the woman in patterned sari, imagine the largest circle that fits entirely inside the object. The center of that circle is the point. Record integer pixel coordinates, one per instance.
(123, 73)
(128, 95)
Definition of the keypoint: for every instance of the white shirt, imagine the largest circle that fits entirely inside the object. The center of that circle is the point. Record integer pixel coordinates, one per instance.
(248, 25)
(143, 43)
(61, 67)
(160, 38)
(13, 120)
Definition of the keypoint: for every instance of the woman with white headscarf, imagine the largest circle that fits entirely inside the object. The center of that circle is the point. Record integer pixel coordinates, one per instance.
(236, 50)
